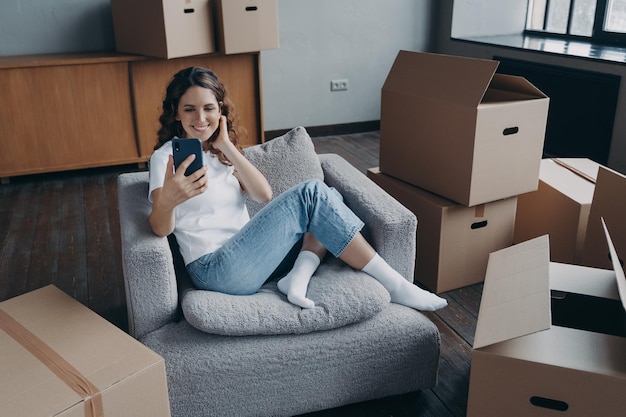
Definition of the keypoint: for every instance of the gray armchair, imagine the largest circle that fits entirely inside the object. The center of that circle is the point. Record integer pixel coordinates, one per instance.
(394, 351)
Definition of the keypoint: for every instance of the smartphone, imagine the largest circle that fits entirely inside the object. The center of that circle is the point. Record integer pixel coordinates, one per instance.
(182, 148)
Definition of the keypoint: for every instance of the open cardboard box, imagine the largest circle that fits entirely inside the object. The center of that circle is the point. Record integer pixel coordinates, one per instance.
(453, 241)
(559, 207)
(454, 127)
(521, 363)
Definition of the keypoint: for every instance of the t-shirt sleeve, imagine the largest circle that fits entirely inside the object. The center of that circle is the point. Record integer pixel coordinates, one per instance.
(158, 165)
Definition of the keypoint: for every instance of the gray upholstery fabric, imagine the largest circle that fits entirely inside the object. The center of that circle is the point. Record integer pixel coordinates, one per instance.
(342, 296)
(388, 228)
(285, 161)
(150, 280)
(393, 352)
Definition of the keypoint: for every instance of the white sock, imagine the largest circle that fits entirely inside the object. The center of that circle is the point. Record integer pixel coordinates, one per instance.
(294, 285)
(402, 291)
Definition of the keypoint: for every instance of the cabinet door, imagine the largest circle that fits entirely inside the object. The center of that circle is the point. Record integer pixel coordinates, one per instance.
(239, 73)
(65, 117)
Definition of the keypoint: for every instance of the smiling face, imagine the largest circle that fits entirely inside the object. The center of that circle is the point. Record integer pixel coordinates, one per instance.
(199, 113)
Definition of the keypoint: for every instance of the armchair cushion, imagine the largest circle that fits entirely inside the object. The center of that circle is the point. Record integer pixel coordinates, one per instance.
(342, 296)
(285, 161)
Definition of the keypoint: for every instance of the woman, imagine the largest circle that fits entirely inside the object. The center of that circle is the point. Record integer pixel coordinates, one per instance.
(223, 249)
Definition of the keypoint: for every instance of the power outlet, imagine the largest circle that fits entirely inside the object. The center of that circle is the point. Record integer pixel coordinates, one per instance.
(339, 85)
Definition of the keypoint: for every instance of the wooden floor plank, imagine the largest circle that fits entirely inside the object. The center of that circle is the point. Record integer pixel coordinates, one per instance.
(72, 272)
(44, 260)
(15, 257)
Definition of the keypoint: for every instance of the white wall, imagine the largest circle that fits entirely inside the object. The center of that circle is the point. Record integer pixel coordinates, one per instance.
(322, 40)
(444, 44)
(488, 17)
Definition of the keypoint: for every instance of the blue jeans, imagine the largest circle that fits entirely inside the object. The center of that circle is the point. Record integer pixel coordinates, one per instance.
(243, 264)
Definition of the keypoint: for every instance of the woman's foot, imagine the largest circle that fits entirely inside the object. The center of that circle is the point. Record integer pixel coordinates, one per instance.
(402, 291)
(295, 284)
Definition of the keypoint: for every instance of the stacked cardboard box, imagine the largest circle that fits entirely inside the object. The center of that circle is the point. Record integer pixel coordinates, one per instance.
(173, 29)
(61, 359)
(559, 207)
(573, 194)
(457, 142)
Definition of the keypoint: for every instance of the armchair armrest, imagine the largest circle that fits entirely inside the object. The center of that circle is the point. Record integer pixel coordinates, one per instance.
(389, 226)
(149, 276)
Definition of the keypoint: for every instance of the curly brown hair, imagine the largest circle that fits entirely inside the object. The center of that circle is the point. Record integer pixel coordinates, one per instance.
(181, 82)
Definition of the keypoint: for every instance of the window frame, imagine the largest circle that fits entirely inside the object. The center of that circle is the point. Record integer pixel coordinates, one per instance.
(598, 35)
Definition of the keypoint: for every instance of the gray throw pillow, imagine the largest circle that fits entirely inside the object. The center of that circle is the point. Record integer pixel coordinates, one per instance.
(342, 296)
(285, 161)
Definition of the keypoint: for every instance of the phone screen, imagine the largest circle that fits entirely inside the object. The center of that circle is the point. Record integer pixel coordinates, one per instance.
(182, 148)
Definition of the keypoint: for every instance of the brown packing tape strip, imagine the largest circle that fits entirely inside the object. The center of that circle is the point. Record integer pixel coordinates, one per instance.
(56, 363)
(574, 170)
(479, 210)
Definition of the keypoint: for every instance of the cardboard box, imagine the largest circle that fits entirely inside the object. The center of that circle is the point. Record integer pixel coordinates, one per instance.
(453, 241)
(247, 25)
(165, 28)
(521, 364)
(609, 202)
(559, 208)
(454, 127)
(61, 359)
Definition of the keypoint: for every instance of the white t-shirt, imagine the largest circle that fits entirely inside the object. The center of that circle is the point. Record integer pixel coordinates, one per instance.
(204, 222)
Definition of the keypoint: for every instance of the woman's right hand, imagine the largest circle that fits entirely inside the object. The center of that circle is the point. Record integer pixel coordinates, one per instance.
(177, 188)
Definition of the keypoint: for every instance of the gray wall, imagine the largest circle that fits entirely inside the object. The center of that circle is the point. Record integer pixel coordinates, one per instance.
(322, 40)
(55, 26)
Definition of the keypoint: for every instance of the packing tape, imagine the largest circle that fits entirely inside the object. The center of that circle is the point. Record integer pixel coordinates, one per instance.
(479, 210)
(56, 363)
(574, 170)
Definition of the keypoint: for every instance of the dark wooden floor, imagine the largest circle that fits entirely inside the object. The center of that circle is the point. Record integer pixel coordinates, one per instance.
(63, 229)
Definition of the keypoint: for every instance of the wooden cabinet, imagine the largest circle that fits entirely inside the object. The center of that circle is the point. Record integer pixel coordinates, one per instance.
(63, 112)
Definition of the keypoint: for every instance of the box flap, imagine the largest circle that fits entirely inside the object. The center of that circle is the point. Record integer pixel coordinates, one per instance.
(617, 267)
(516, 294)
(515, 84)
(441, 77)
(585, 280)
(574, 178)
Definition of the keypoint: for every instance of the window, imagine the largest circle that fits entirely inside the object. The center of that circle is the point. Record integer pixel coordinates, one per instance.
(602, 21)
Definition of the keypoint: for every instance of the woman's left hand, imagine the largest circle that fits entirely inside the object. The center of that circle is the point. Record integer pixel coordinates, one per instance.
(250, 178)
(222, 141)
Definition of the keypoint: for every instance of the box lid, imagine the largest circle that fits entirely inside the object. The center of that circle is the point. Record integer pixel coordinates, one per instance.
(585, 280)
(516, 294)
(451, 78)
(573, 177)
(583, 167)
